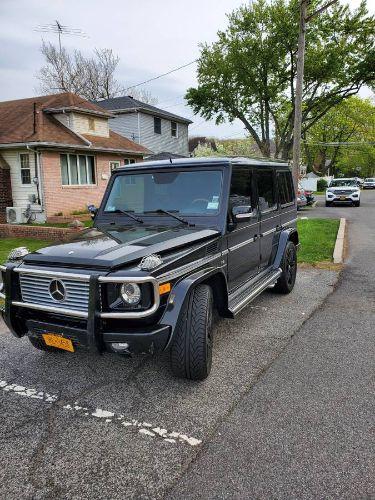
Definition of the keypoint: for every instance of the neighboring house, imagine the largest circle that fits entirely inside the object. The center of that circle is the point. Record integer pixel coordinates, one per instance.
(164, 156)
(57, 153)
(156, 129)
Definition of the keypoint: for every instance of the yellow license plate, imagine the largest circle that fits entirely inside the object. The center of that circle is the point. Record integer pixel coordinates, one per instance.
(342, 198)
(57, 341)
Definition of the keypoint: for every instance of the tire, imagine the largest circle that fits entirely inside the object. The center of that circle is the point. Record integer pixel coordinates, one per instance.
(41, 345)
(357, 203)
(191, 351)
(328, 204)
(285, 283)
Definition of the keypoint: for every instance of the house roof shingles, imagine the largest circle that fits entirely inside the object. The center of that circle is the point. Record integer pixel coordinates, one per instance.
(129, 104)
(31, 120)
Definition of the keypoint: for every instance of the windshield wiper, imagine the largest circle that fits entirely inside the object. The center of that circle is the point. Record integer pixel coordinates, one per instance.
(129, 214)
(171, 214)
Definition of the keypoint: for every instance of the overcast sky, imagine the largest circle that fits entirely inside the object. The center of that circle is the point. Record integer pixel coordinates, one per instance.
(151, 37)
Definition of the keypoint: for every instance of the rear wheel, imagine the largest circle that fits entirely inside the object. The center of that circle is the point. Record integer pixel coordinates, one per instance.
(41, 345)
(191, 352)
(285, 283)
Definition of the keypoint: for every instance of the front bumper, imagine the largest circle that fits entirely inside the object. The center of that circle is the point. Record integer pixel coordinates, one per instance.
(94, 329)
(342, 199)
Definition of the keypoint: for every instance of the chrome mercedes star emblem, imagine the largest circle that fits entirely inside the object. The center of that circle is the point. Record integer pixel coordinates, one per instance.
(57, 290)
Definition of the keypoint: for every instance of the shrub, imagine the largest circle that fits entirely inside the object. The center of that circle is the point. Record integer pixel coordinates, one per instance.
(322, 184)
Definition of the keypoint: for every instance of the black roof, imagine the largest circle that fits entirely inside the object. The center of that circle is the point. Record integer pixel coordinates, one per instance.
(164, 155)
(193, 162)
(127, 104)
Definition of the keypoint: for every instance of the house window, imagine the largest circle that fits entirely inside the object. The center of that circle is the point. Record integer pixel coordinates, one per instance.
(91, 124)
(174, 129)
(77, 170)
(25, 168)
(128, 161)
(113, 165)
(157, 125)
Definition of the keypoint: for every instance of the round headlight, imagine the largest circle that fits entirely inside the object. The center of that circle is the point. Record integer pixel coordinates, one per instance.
(130, 293)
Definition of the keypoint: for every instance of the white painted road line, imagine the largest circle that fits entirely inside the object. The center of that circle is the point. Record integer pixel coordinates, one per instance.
(108, 417)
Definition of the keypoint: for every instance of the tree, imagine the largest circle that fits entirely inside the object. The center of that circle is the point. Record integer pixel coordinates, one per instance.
(351, 122)
(90, 77)
(227, 147)
(249, 72)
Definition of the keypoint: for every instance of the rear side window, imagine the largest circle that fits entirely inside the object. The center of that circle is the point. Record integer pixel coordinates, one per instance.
(285, 188)
(240, 190)
(266, 190)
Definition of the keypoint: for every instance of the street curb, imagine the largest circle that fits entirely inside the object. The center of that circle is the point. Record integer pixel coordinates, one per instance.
(338, 252)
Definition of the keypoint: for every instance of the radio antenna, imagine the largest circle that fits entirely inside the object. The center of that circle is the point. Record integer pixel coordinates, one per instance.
(60, 29)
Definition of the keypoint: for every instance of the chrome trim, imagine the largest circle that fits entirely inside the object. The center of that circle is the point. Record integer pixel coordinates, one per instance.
(53, 274)
(3, 268)
(270, 231)
(179, 271)
(57, 310)
(132, 279)
(239, 245)
(256, 291)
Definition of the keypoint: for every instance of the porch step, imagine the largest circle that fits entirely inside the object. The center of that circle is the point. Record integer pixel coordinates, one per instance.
(240, 298)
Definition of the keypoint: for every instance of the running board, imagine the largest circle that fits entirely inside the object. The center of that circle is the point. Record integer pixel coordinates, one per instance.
(251, 291)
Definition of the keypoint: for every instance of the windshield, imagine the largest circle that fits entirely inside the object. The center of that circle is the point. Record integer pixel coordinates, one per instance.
(343, 182)
(187, 193)
(370, 179)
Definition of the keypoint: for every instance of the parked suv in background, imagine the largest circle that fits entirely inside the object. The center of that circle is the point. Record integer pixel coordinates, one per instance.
(343, 191)
(369, 183)
(171, 242)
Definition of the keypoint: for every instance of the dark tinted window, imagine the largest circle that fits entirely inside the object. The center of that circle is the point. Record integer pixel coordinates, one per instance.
(266, 189)
(157, 125)
(240, 189)
(285, 185)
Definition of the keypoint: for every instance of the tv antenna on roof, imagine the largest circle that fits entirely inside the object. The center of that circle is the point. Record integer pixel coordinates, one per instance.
(60, 29)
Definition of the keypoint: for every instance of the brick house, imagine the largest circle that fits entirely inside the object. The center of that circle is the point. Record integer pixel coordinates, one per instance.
(57, 153)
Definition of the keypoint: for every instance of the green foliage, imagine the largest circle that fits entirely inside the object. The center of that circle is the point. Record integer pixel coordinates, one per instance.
(317, 238)
(249, 72)
(227, 147)
(352, 122)
(322, 184)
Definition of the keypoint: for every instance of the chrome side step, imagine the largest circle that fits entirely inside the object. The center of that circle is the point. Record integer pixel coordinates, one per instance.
(252, 291)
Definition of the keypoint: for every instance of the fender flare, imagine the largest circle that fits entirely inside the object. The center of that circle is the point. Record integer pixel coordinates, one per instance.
(180, 294)
(285, 236)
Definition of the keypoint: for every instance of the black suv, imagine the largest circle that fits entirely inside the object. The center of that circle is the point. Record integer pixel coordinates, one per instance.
(171, 242)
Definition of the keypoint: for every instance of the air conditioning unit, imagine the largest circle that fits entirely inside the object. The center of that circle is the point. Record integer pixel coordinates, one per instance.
(15, 215)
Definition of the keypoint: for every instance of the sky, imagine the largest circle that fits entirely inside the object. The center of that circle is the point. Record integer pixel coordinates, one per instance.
(150, 37)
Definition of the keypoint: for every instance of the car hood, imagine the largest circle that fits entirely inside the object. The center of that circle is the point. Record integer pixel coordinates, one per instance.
(342, 188)
(109, 247)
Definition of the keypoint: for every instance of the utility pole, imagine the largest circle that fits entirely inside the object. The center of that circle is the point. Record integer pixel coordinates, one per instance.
(303, 20)
(298, 92)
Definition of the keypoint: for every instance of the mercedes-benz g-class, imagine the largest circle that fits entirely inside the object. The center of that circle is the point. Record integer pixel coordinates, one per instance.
(171, 242)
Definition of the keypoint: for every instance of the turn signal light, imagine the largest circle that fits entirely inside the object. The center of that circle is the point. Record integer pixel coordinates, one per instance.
(164, 288)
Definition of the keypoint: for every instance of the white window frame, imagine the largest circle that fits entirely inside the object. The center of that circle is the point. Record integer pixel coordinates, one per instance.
(117, 162)
(25, 168)
(68, 155)
(174, 136)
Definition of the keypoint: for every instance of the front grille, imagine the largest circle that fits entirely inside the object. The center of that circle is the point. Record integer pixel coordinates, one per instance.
(342, 192)
(35, 290)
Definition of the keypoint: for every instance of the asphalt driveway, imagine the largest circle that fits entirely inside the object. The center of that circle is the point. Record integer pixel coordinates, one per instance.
(84, 426)
(286, 413)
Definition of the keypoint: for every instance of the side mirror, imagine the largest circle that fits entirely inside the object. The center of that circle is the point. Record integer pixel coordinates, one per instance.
(242, 213)
(93, 210)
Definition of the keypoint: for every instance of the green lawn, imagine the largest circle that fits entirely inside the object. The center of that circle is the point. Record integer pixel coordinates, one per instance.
(7, 244)
(317, 238)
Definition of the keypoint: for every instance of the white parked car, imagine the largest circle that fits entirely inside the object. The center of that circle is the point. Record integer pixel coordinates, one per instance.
(343, 191)
(369, 183)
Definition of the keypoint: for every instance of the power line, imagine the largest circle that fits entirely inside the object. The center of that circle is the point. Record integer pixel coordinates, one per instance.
(160, 76)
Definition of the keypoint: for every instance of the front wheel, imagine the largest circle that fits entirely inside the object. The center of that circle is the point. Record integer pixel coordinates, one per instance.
(328, 204)
(285, 283)
(357, 203)
(191, 352)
